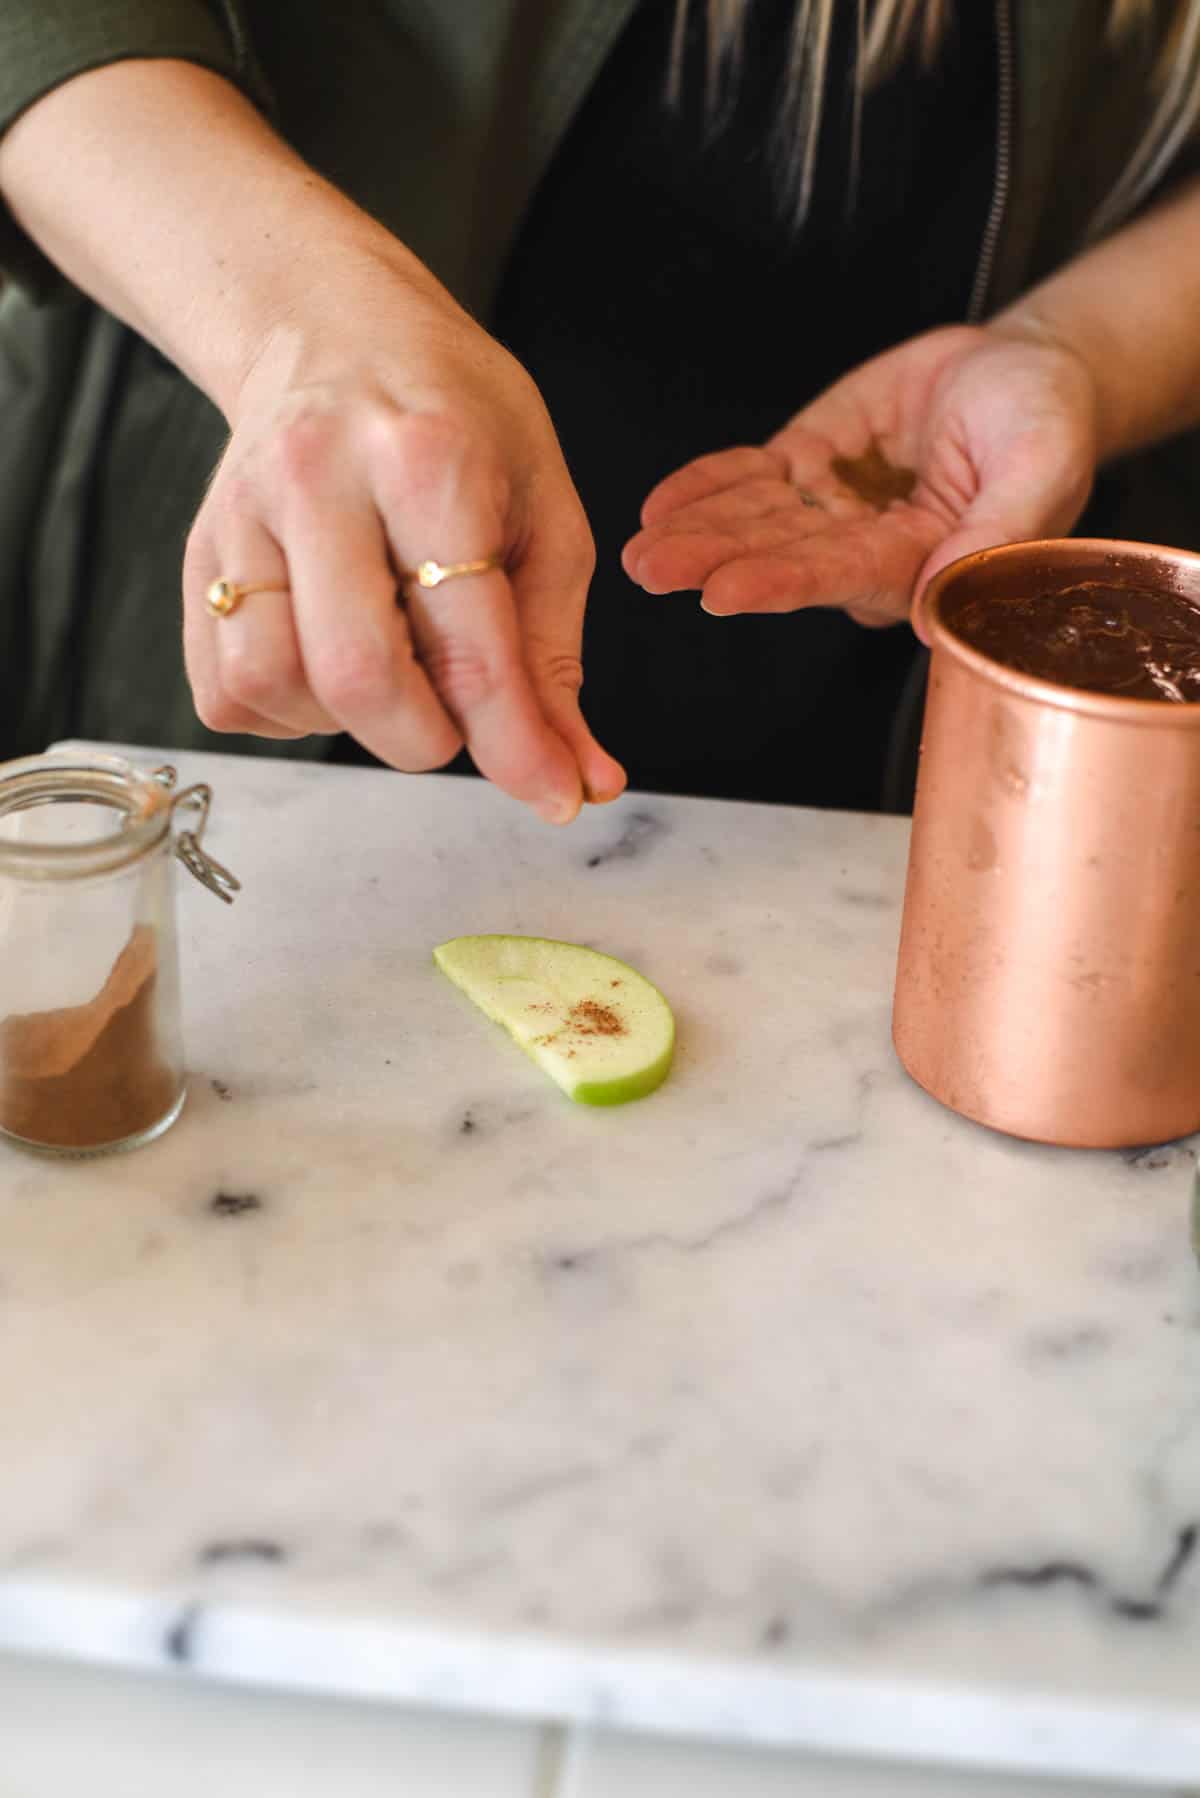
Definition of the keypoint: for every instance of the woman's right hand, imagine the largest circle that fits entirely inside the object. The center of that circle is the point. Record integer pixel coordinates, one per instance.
(373, 426)
(389, 431)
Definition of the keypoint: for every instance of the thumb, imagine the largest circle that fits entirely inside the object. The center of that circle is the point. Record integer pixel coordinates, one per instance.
(1016, 506)
(984, 531)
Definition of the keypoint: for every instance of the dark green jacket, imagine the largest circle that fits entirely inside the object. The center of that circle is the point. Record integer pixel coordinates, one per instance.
(439, 116)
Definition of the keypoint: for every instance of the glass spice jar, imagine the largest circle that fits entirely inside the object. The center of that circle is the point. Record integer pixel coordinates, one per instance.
(91, 1057)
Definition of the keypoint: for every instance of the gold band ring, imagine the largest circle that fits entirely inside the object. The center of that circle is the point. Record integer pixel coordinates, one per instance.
(224, 597)
(432, 574)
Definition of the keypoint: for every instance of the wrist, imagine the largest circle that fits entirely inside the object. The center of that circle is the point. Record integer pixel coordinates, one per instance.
(1078, 369)
(303, 268)
(1089, 364)
(298, 321)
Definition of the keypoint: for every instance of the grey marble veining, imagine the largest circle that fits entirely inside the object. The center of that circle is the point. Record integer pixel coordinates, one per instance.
(781, 1406)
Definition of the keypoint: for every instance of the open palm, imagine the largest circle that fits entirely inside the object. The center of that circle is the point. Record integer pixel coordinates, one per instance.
(993, 436)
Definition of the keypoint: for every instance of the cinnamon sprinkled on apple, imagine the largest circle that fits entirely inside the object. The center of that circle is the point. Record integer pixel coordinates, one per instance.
(590, 1018)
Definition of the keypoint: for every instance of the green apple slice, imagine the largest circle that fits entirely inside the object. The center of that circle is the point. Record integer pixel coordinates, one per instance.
(595, 1025)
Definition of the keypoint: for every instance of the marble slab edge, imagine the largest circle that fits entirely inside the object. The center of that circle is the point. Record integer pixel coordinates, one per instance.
(522, 1676)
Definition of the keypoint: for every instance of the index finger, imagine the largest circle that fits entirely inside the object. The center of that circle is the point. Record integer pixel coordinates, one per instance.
(712, 474)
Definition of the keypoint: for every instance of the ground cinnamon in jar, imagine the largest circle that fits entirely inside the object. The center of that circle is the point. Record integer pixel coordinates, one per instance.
(89, 1075)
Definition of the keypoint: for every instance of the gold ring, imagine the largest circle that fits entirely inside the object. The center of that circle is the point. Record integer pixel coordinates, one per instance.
(224, 597)
(432, 574)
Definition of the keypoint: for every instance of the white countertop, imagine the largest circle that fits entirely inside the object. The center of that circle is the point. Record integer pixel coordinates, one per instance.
(780, 1407)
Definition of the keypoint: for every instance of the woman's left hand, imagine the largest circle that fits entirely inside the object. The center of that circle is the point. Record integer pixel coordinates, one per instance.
(992, 430)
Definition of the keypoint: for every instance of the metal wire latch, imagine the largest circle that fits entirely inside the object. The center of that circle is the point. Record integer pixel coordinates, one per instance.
(202, 866)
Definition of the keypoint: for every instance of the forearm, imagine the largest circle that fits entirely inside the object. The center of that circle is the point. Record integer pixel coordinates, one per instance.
(1130, 309)
(159, 190)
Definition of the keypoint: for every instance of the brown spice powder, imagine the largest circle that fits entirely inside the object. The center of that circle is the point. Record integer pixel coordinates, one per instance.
(871, 477)
(590, 1018)
(89, 1075)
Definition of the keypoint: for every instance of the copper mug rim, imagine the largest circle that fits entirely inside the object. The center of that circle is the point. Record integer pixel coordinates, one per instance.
(1113, 552)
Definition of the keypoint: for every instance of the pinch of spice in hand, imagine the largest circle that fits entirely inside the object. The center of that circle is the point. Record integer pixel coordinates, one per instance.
(871, 477)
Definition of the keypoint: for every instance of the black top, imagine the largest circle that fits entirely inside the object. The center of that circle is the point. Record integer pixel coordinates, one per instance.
(666, 307)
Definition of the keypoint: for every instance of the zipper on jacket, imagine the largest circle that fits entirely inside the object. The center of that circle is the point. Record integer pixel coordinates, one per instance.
(1005, 83)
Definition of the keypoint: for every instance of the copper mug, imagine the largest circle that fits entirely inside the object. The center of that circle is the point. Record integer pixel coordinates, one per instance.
(1049, 972)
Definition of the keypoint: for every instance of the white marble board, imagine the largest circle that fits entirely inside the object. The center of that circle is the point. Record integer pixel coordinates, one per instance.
(781, 1407)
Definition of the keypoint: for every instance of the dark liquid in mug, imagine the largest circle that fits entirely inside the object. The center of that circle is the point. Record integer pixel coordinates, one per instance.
(1131, 642)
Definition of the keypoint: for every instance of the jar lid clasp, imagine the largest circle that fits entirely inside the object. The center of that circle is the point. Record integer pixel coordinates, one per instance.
(202, 866)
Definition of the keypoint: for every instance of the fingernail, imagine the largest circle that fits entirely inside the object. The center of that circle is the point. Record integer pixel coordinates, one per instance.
(558, 811)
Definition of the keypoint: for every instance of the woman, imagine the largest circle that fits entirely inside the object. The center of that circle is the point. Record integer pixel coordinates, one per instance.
(674, 290)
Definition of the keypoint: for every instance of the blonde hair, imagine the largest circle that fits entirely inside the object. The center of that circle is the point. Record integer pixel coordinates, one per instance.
(889, 30)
